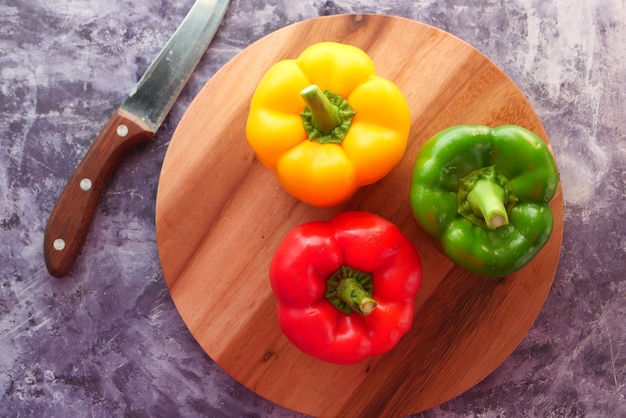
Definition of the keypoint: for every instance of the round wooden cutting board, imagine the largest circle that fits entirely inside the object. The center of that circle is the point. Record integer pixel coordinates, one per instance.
(220, 215)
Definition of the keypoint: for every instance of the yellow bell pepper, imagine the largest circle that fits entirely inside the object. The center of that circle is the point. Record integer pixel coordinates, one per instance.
(326, 124)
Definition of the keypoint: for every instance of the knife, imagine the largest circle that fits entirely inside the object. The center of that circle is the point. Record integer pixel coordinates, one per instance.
(133, 123)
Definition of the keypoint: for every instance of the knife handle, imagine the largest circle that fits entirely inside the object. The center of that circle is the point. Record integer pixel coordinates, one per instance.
(73, 212)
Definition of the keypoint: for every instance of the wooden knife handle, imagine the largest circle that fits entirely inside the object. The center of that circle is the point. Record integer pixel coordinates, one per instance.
(73, 212)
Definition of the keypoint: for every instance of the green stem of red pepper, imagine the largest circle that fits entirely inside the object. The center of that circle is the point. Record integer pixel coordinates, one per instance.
(486, 198)
(327, 116)
(350, 290)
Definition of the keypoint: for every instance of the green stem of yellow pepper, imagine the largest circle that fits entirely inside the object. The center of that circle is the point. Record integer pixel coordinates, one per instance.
(327, 116)
(324, 115)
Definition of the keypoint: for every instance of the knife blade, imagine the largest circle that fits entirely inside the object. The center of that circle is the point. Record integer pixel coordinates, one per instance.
(133, 123)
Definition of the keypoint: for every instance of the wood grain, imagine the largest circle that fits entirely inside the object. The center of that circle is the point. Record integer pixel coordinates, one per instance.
(221, 214)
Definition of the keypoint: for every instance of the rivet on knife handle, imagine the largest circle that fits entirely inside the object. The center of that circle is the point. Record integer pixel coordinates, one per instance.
(73, 212)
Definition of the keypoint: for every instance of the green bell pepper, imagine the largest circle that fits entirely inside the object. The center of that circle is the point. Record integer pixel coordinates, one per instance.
(484, 194)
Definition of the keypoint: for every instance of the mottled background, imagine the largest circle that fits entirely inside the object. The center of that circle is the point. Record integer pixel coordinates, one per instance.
(107, 340)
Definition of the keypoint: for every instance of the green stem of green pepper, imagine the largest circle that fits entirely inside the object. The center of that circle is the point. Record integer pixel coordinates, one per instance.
(350, 290)
(327, 116)
(487, 201)
(485, 198)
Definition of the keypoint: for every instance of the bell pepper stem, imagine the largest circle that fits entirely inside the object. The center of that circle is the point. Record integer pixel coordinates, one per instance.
(350, 290)
(355, 296)
(487, 200)
(325, 115)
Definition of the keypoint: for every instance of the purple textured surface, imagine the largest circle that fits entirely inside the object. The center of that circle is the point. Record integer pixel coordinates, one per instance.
(107, 340)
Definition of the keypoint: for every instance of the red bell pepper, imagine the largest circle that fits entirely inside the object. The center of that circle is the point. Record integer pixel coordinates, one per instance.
(345, 288)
